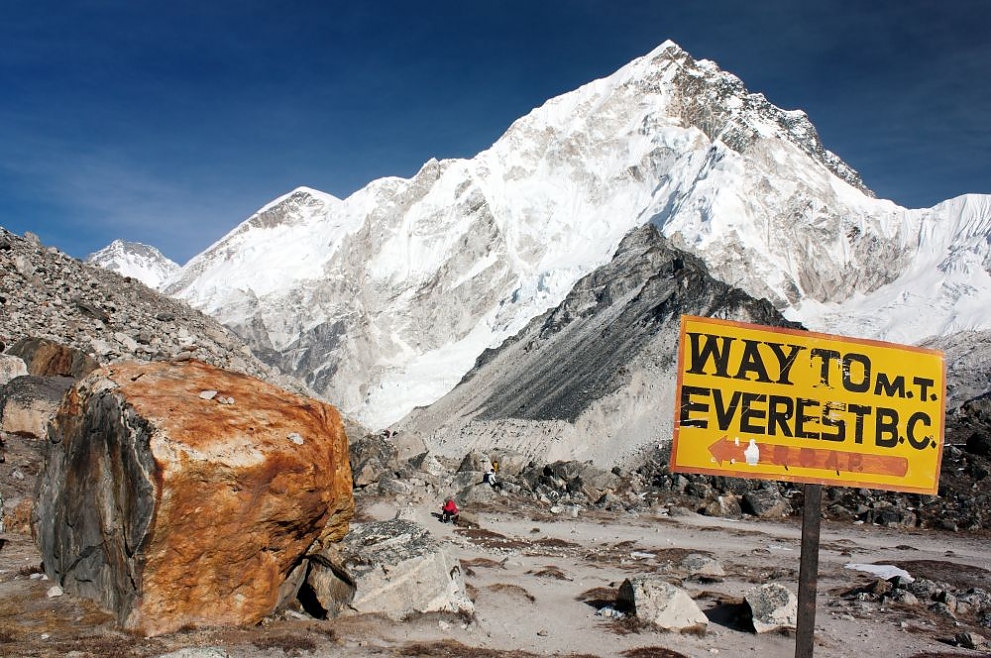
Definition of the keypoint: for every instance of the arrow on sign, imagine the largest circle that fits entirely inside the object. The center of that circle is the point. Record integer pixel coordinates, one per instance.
(771, 454)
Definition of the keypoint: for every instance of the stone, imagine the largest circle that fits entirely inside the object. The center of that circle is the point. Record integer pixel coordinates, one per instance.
(475, 462)
(173, 511)
(702, 566)
(508, 462)
(658, 602)
(428, 463)
(27, 404)
(727, 506)
(972, 641)
(397, 568)
(46, 358)
(11, 367)
(766, 503)
(477, 493)
(772, 606)
(372, 457)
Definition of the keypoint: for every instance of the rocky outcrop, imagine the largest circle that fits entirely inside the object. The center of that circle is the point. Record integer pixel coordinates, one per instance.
(183, 495)
(48, 297)
(394, 568)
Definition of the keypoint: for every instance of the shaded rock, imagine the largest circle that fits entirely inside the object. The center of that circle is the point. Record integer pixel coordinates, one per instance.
(727, 506)
(176, 511)
(372, 458)
(397, 569)
(428, 463)
(28, 403)
(46, 358)
(972, 641)
(11, 367)
(477, 493)
(766, 503)
(475, 462)
(772, 606)
(660, 603)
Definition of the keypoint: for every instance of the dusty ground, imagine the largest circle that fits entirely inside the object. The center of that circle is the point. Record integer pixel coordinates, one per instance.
(538, 579)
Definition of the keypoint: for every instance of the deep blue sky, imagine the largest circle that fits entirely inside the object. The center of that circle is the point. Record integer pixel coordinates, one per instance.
(169, 123)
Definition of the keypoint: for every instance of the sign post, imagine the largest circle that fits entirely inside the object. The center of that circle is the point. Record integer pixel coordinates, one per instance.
(783, 404)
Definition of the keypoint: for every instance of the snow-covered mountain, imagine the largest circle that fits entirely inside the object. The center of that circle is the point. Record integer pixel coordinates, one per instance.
(384, 300)
(138, 261)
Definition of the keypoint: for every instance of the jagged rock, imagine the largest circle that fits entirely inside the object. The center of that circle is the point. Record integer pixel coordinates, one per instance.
(727, 506)
(428, 463)
(772, 606)
(176, 511)
(661, 604)
(397, 569)
(475, 462)
(28, 403)
(11, 367)
(372, 457)
(46, 358)
(766, 503)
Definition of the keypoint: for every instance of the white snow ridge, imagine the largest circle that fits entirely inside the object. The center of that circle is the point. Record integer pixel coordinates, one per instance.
(138, 261)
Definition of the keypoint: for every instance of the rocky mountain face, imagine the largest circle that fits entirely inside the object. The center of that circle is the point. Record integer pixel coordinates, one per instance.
(383, 301)
(593, 378)
(47, 294)
(137, 261)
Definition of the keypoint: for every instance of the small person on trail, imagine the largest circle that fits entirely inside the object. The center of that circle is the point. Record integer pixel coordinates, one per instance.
(449, 511)
(490, 479)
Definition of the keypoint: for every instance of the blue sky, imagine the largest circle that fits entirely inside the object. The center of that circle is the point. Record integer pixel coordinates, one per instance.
(169, 123)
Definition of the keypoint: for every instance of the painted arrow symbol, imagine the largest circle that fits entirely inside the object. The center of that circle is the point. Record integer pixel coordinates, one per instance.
(771, 454)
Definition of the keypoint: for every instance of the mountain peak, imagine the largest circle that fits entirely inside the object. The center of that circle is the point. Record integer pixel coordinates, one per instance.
(136, 260)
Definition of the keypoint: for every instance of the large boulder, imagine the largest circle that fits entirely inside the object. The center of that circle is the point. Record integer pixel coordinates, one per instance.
(46, 358)
(28, 403)
(772, 606)
(180, 495)
(661, 604)
(395, 568)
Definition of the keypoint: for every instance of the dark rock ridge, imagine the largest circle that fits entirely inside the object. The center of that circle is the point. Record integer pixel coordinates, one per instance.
(594, 376)
(183, 495)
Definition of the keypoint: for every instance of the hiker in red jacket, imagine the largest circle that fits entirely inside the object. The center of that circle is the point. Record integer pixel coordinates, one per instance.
(449, 511)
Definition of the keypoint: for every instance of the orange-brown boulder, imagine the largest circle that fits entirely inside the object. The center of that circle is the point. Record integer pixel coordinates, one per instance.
(180, 495)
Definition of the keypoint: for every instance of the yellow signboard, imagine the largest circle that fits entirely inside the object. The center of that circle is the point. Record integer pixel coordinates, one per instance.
(783, 404)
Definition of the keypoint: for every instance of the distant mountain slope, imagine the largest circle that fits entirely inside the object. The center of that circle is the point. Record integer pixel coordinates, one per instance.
(595, 377)
(47, 294)
(382, 301)
(138, 261)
